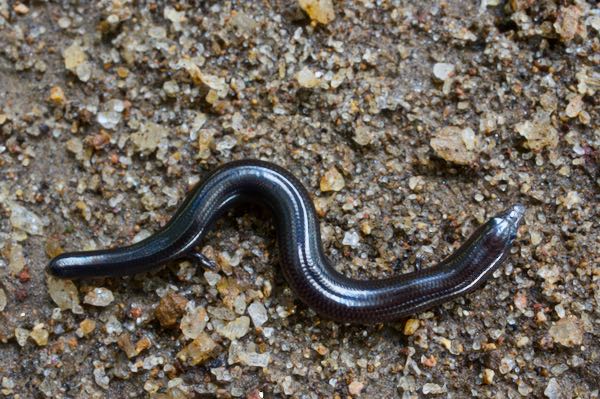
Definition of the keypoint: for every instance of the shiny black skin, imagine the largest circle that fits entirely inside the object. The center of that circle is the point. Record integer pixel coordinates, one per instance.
(305, 266)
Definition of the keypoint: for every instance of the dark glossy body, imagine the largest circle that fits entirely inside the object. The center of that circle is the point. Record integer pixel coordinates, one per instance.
(306, 268)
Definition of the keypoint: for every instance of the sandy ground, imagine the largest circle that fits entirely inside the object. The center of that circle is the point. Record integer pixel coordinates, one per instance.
(410, 123)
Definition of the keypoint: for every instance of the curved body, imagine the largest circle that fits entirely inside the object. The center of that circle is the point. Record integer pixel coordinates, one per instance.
(305, 266)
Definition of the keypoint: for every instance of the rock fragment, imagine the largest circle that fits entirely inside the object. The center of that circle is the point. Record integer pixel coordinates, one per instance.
(40, 334)
(199, 350)
(574, 107)
(3, 300)
(320, 11)
(57, 96)
(411, 326)
(306, 78)
(443, 71)
(539, 133)
(332, 180)
(258, 314)
(99, 296)
(456, 145)
(170, 309)
(567, 23)
(76, 61)
(64, 293)
(193, 322)
(25, 220)
(567, 332)
(235, 329)
(146, 139)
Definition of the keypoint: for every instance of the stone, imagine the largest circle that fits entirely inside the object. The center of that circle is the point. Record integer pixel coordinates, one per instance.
(110, 116)
(574, 107)
(443, 71)
(215, 87)
(99, 296)
(254, 359)
(553, 390)
(205, 143)
(22, 335)
(171, 88)
(25, 220)
(124, 342)
(87, 326)
(433, 389)
(488, 376)
(193, 322)
(306, 78)
(570, 200)
(332, 180)
(75, 146)
(355, 388)
(170, 309)
(539, 133)
(567, 332)
(65, 294)
(320, 11)
(3, 300)
(57, 96)
(567, 22)
(411, 326)
(456, 145)
(40, 334)
(363, 135)
(199, 350)
(74, 56)
(147, 138)
(258, 314)
(235, 329)
(177, 18)
(76, 61)
(212, 278)
(16, 259)
(21, 9)
(351, 239)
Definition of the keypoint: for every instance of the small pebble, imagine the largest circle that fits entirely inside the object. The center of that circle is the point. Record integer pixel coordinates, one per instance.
(456, 145)
(21, 9)
(355, 388)
(65, 294)
(411, 326)
(235, 329)
(199, 350)
(307, 78)
(567, 332)
(553, 390)
(171, 88)
(40, 334)
(254, 359)
(351, 239)
(193, 322)
(539, 133)
(3, 300)
(332, 180)
(443, 71)
(23, 219)
(99, 296)
(488, 376)
(170, 309)
(57, 96)
(258, 314)
(320, 11)
(87, 326)
(433, 389)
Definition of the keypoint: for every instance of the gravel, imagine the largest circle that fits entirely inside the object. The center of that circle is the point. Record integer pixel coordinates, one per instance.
(410, 123)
